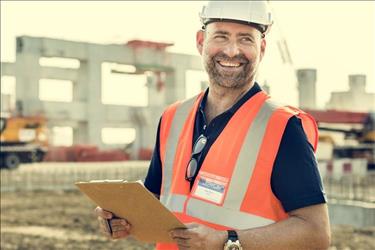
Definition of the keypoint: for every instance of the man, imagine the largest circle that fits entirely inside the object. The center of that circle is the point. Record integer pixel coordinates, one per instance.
(236, 168)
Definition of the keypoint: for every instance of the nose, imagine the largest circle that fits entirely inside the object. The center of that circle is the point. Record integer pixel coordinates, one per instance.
(232, 49)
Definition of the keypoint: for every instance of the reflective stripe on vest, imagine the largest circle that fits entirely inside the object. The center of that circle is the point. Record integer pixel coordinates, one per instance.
(215, 214)
(224, 216)
(179, 119)
(247, 158)
(176, 202)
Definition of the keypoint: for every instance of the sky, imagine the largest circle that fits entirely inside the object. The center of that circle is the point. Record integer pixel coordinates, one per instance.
(335, 37)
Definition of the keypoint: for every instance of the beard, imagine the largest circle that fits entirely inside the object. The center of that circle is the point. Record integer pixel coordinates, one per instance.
(229, 79)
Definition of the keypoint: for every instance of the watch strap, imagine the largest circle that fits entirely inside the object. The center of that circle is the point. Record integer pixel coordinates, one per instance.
(232, 235)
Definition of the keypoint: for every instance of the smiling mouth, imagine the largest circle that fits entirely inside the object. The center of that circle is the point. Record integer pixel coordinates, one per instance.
(227, 64)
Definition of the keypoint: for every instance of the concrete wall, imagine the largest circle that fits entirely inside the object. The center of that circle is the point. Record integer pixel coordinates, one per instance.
(86, 113)
(355, 213)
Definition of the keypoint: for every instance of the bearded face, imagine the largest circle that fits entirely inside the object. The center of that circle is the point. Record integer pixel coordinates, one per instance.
(229, 72)
(231, 53)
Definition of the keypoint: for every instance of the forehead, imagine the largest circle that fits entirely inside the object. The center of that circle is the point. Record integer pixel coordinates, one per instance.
(231, 28)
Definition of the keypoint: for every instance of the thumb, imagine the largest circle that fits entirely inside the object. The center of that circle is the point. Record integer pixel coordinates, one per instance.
(192, 225)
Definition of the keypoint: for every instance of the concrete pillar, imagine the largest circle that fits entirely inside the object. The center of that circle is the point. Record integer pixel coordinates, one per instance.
(80, 94)
(157, 104)
(357, 83)
(180, 88)
(81, 85)
(307, 88)
(156, 96)
(27, 72)
(80, 135)
(170, 82)
(95, 108)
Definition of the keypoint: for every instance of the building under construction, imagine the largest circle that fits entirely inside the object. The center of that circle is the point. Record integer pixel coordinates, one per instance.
(85, 112)
(163, 75)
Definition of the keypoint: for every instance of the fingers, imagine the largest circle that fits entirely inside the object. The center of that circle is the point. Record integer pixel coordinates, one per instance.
(192, 225)
(104, 227)
(103, 213)
(180, 233)
(110, 226)
(120, 228)
(182, 243)
(119, 225)
(114, 228)
(120, 234)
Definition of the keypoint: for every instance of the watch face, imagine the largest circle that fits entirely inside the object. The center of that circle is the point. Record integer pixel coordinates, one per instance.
(230, 245)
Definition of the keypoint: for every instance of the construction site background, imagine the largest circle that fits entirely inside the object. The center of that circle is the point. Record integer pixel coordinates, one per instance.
(75, 111)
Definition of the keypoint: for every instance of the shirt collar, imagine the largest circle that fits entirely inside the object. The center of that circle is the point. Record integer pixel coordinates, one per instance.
(251, 92)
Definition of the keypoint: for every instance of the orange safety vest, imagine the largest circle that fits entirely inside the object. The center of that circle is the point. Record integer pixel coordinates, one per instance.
(236, 172)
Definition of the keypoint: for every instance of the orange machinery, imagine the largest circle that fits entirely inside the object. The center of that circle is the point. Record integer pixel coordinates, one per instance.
(22, 139)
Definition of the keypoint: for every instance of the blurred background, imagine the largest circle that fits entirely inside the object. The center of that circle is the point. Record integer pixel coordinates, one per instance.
(83, 85)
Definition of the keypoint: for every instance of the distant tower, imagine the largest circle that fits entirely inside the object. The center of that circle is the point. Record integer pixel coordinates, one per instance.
(307, 88)
(356, 99)
(357, 83)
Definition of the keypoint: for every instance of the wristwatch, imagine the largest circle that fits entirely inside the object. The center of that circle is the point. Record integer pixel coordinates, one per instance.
(233, 242)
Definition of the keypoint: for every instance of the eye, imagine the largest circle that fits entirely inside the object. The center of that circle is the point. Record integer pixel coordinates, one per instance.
(246, 39)
(220, 37)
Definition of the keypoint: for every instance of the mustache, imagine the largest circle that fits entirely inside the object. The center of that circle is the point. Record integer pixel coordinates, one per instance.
(241, 58)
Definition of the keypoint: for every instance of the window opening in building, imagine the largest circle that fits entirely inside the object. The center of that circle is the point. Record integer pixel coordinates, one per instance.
(59, 62)
(8, 93)
(118, 135)
(62, 136)
(55, 90)
(120, 86)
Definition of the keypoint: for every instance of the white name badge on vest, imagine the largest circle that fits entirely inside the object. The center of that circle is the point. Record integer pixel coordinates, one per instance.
(210, 187)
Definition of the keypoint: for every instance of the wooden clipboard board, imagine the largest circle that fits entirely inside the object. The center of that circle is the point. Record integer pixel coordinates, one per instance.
(151, 221)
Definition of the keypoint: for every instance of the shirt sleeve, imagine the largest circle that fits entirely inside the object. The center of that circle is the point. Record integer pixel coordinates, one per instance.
(154, 174)
(295, 179)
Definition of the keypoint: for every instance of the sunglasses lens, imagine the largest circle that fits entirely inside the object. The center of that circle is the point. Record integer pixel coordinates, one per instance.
(199, 145)
(193, 163)
(192, 168)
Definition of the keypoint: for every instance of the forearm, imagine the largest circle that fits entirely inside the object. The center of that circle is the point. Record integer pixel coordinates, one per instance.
(306, 228)
(292, 233)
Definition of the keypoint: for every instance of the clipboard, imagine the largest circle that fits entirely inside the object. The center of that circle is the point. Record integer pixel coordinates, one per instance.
(151, 221)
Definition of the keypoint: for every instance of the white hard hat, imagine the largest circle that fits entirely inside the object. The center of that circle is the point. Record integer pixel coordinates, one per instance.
(254, 13)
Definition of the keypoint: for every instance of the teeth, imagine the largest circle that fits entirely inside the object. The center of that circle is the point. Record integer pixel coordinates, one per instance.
(229, 64)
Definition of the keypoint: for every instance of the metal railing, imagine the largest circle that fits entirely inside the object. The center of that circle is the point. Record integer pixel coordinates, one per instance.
(62, 176)
(351, 187)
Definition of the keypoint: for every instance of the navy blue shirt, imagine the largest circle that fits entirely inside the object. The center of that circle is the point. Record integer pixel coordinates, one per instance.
(295, 179)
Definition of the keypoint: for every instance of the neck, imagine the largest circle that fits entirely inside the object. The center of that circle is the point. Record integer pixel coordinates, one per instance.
(220, 99)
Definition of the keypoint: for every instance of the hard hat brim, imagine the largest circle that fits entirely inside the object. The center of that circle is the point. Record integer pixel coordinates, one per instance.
(260, 27)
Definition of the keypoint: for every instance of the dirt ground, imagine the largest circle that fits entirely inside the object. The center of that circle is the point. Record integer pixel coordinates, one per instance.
(65, 220)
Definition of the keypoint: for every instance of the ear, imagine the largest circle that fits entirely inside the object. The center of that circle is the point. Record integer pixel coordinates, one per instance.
(199, 41)
(263, 45)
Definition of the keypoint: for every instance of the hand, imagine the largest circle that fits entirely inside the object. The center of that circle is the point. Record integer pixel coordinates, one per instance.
(197, 236)
(120, 227)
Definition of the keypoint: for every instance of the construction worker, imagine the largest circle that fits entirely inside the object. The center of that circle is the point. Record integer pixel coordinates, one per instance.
(236, 168)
